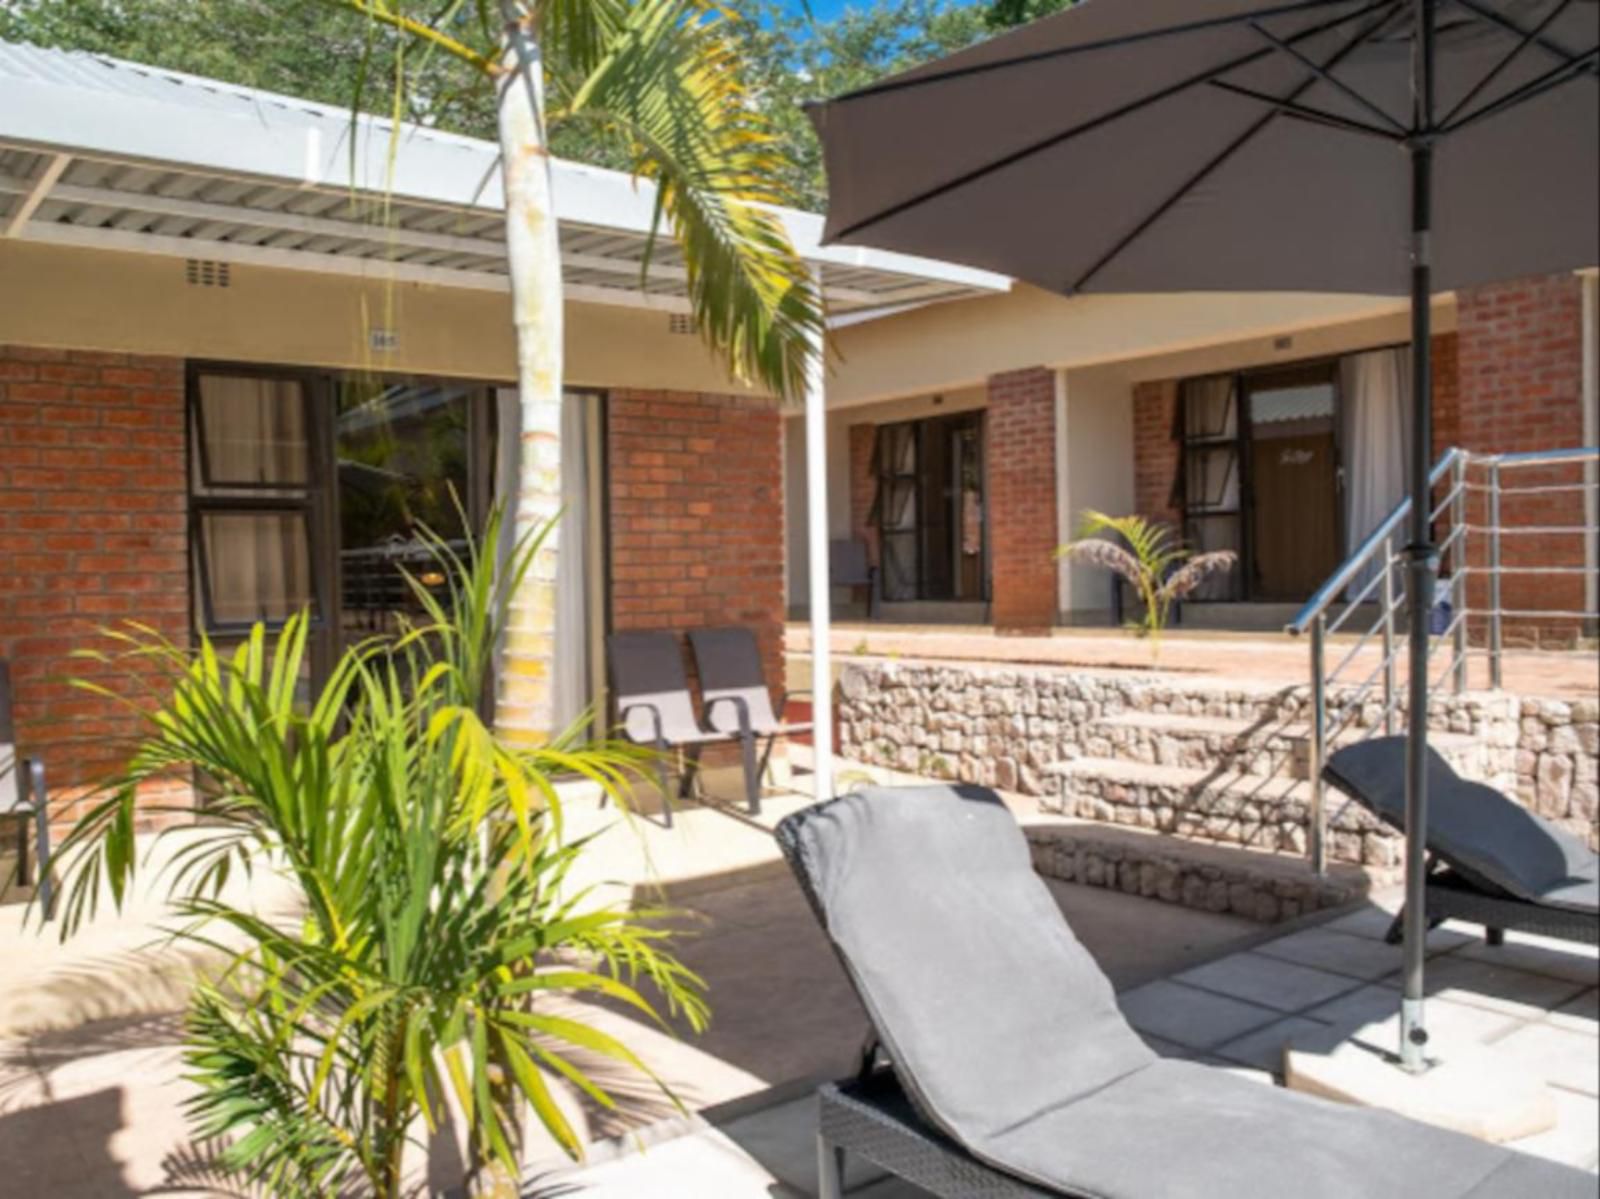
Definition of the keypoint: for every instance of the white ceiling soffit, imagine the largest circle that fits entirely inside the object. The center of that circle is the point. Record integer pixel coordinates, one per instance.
(101, 153)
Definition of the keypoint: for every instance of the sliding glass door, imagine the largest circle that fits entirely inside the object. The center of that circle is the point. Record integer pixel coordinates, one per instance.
(309, 492)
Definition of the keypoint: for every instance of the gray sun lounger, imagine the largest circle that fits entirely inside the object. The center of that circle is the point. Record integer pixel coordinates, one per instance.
(1491, 861)
(1014, 1073)
(654, 707)
(733, 690)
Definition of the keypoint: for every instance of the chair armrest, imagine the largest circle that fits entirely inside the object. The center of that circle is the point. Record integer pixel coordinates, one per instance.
(741, 711)
(624, 711)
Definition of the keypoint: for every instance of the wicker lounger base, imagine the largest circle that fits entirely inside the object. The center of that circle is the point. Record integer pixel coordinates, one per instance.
(873, 1118)
(1452, 899)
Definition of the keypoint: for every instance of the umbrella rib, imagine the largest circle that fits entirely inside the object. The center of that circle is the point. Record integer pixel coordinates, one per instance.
(1577, 68)
(1305, 112)
(1327, 76)
(1224, 154)
(895, 85)
(1510, 56)
(1556, 49)
(1093, 123)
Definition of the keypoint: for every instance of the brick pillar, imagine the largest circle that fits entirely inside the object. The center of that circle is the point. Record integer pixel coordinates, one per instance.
(1521, 388)
(696, 492)
(1021, 480)
(93, 498)
(1155, 451)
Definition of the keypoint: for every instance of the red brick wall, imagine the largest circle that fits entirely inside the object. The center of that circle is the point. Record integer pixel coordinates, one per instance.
(1021, 480)
(92, 525)
(1521, 363)
(696, 493)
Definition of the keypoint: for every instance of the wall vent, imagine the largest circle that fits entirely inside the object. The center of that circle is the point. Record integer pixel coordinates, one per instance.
(1282, 343)
(680, 322)
(204, 272)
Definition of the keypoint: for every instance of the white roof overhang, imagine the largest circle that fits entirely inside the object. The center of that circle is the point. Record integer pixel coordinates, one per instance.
(100, 153)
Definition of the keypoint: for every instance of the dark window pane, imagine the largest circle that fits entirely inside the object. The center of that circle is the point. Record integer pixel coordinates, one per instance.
(255, 566)
(403, 460)
(252, 432)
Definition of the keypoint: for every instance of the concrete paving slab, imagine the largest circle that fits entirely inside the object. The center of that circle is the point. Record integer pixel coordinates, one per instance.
(1484, 984)
(1479, 1092)
(1572, 1141)
(1539, 955)
(1372, 1015)
(1365, 958)
(1374, 921)
(1579, 1015)
(1264, 1048)
(1191, 1017)
(1561, 1058)
(1269, 981)
(698, 1166)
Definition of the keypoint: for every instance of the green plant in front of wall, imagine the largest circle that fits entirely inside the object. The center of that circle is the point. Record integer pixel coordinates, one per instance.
(1159, 567)
(439, 941)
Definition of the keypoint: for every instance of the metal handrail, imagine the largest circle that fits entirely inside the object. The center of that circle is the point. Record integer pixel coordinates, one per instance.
(1377, 550)
(1329, 592)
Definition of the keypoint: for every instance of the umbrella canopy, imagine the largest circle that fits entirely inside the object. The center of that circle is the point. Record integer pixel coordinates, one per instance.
(1176, 145)
(1374, 146)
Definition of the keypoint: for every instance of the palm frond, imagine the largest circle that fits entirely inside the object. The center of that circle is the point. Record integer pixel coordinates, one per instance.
(668, 94)
(1096, 551)
(1194, 571)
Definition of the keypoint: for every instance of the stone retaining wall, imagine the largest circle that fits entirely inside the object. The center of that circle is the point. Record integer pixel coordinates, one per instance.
(1002, 726)
(1251, 885)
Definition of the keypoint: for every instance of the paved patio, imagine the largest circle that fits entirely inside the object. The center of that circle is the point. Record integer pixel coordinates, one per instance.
(1268, 657)
(1532, 1000)
(92, 1109)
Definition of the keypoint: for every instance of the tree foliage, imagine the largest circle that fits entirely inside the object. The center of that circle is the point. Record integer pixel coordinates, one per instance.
(312, 49)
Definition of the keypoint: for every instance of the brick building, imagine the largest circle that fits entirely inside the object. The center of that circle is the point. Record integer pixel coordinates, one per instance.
(1271, 425)
(228, 390)
(231, 388)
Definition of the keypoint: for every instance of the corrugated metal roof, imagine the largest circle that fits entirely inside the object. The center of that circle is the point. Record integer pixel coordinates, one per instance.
(189, 166)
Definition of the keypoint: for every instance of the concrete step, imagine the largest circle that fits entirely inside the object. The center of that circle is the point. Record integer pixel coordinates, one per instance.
(1265, 746)
(1220, 805)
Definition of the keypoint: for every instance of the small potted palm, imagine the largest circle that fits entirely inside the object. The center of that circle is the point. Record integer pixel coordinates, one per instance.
(436, 935)
(1159, 567)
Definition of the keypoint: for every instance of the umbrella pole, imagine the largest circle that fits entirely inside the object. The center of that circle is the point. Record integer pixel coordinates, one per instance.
(1422, 557)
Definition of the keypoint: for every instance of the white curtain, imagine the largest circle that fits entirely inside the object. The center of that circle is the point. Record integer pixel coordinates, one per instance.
(570, 684)
(1375, 390)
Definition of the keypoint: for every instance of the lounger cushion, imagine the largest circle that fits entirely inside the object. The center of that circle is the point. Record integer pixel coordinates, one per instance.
(986, 994)
(1492, 841)
(1007, 1037)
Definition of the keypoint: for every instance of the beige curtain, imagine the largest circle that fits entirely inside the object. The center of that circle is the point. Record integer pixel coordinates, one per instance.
(255, 445)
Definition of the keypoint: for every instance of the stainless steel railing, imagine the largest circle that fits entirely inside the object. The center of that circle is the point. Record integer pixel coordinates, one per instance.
(1366, 585)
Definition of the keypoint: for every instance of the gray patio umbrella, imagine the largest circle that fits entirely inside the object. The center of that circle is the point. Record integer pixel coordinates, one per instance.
(1371, 146)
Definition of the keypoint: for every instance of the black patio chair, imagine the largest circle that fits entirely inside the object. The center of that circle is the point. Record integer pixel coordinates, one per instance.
(23, 796)
(1490, 860)
(654, 707)
(1013, 1073)
(735, 699)
(850, 565)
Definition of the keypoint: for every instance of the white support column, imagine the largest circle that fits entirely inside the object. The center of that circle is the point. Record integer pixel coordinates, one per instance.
(1064, 525)
(817, 555)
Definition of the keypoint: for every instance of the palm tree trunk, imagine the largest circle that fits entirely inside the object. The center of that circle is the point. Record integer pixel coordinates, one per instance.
(526, 710)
